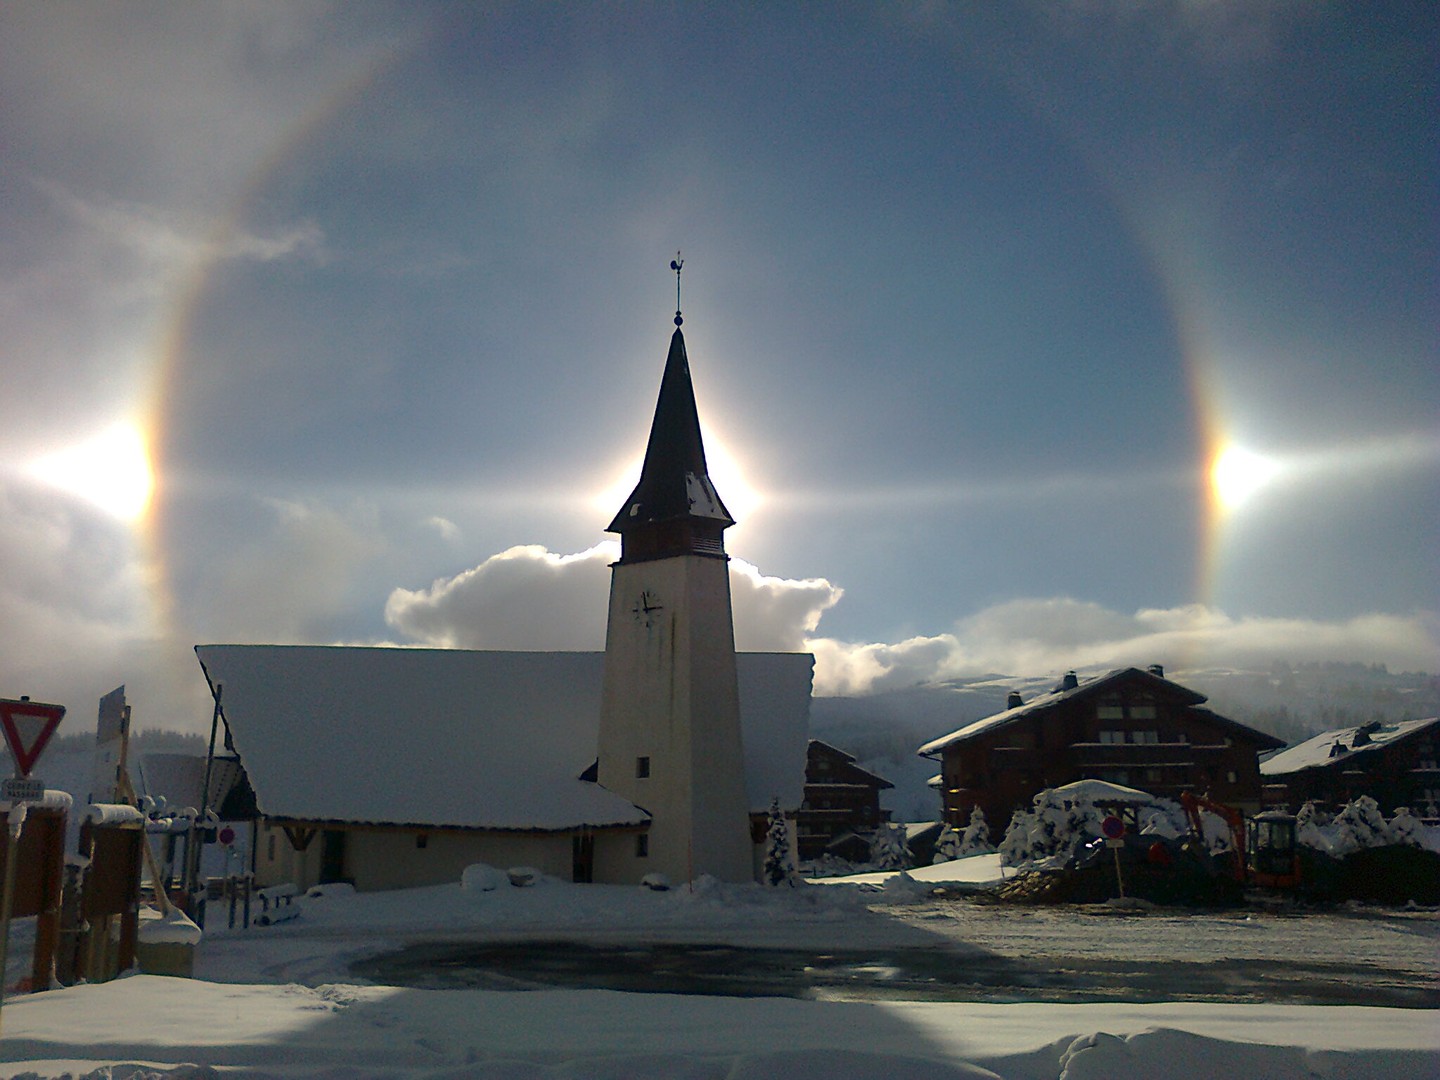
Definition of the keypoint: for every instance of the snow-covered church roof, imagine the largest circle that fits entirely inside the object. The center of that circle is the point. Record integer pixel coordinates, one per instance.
(462, 738)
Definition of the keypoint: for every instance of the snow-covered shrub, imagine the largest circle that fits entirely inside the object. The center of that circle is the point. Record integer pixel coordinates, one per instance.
(481, 877)
(1360, 825)
(1015, 844)
(779, 867)
(523, 877)
(947, 845)
(888, 849)
(1164, 818)
(655, 882)
(976, 839)
(1406, 828)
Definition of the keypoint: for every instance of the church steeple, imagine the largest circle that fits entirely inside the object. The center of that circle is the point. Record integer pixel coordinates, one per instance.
(674, 509)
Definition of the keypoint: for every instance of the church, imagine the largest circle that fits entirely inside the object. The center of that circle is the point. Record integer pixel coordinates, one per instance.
(396, 767)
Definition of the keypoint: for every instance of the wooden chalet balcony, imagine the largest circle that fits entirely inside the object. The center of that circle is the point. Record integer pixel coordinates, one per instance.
(1186, 755)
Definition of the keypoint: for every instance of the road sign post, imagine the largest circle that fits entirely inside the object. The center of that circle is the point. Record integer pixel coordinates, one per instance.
(1114, 830)
(27, 726)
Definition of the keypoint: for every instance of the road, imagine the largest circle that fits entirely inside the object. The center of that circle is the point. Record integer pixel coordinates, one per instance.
(974, 951)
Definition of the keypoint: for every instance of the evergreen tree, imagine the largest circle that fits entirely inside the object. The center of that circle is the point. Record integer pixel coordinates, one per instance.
(1406, 828)
(947, 845)
(1015, 847)
(888, 849)
(976, 840)
(779, 868)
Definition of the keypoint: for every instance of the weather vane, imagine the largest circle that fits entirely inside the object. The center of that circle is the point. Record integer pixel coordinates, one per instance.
(677, 264)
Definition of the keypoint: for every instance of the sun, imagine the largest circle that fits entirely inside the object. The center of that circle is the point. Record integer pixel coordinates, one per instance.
(1236, 474)
(741, 498)
(111, 470)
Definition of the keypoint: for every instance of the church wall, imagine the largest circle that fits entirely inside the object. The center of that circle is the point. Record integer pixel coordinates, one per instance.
(377, 859)
(671, 700)
(394, 860)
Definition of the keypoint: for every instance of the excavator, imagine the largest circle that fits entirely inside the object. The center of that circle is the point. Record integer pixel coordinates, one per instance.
(1266, 854)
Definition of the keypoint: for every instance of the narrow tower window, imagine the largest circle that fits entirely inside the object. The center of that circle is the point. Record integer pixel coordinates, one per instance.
(642, 767)
(642, 846)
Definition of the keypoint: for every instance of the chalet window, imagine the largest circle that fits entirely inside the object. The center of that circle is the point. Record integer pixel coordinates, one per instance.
(270, 847)
(1154, 776)
(1109, 710)
(1230, 777)
(642, 846)
(642, 767)
(1142, 710)
(1112, 737)
(1147, 737)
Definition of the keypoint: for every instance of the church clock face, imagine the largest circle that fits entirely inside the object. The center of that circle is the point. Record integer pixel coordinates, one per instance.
(647, 607)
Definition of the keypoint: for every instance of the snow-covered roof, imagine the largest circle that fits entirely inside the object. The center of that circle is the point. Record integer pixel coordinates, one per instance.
(1318, 750)
(1084, 687)
(461, 738)
(1100, 792)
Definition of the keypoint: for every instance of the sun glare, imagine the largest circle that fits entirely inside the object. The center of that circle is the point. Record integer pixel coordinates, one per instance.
(726, 473)
(112, 470)
(1236, 474)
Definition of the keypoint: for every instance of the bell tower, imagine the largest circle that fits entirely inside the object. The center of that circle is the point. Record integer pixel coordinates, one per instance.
(670, 738)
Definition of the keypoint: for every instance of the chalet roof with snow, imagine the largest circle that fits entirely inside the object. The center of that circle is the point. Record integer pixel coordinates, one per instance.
(1072, 688)
(1342, 745)
(848, 760)
(464, 739)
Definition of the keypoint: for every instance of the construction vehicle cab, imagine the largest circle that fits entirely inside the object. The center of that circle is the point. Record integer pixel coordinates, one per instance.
(1274, 856)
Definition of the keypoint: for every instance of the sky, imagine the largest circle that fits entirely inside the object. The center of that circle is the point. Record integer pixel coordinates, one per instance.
(1025, 338)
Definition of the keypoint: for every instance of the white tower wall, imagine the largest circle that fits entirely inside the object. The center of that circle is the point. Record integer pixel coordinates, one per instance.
(671, 707)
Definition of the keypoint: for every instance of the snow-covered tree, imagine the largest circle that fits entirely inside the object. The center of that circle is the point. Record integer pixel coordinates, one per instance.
(888, 849)
(1406, 828)
(1360, 825)
(976, 840)
(947, 845)
(1015, 845)
(779, 867)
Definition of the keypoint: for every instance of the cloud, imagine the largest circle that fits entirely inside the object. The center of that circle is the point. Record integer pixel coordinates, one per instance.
(531, 598)
(448, 530)
(162, 242)
(1033, 637)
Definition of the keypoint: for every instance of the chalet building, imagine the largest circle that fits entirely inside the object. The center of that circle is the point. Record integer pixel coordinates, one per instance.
(1397, 764)
(1129, 727)
(842, 801)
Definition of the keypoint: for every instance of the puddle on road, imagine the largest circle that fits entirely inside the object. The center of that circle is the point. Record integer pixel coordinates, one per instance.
(875, 975)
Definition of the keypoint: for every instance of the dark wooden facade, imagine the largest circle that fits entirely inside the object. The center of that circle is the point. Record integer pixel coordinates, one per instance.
(1129, 727)
(840, 798)
(1396, 764)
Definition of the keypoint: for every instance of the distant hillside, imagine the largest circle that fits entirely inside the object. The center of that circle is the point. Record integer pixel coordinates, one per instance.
(1292, 703)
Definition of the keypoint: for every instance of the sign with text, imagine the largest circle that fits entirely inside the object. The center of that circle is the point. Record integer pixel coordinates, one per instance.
(28, 726)
(112, 728)
(22, 789)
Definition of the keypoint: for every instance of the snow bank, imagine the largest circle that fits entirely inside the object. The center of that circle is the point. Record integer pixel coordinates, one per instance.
(184, 1028)
(171, 928)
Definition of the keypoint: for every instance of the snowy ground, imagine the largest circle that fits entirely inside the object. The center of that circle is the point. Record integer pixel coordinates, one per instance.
(283, 1002)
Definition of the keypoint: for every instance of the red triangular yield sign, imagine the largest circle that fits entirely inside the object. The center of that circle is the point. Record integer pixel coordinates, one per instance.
(28, 726)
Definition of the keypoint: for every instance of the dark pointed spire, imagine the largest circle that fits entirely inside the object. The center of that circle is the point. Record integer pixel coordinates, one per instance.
(674, 509)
